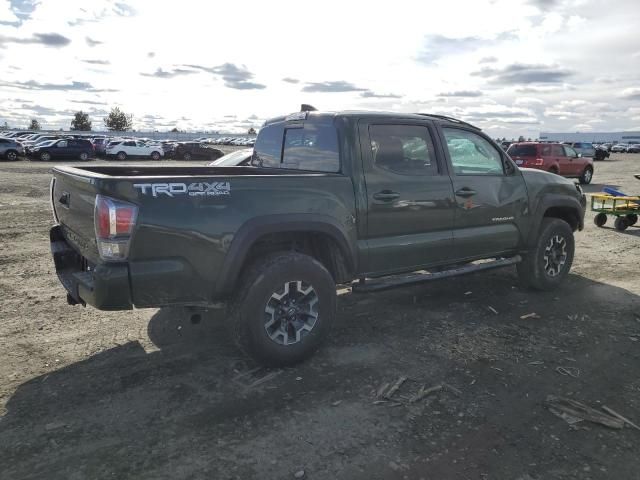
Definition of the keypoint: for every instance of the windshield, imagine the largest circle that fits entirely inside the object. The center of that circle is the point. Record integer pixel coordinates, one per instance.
(47, 143)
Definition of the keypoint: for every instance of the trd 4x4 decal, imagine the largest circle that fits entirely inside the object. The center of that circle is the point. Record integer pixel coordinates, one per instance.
(195, 189)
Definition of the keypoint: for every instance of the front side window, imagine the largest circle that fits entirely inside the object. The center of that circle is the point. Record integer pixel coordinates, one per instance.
(570, 152)
(471, 154)
(313, 147)
(403, 149)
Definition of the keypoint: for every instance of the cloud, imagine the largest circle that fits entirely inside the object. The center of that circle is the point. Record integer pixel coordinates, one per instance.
(123, 10)
(519, 73)
(88, 102)
(151, 54)
(92, 43)
(437, 46)
(46, 39)
(370, 94)
(160, 73)
(17, 11)
(488, 60)
(33, 85)
(96, 62)
(631, 94)
(462, 93)
(338, 86)
(236, 77)
(290, 80)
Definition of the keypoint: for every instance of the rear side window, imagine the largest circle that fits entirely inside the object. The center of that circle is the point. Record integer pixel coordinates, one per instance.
(268, 147)
(314, 147)
(546, 150)
(403, 149)
(522, 151)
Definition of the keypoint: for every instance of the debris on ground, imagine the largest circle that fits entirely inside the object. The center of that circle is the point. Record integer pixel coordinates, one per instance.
(299, 474)
(492, 309)
(423, 392)
(570, 371)
(394, 388)
(617, 415)
(533, 315)
(573, 411)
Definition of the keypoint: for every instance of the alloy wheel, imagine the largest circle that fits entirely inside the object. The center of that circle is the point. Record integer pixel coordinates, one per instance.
(291, 313)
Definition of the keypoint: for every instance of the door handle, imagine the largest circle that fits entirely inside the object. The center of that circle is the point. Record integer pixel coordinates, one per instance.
(465, 192)
(386, 195)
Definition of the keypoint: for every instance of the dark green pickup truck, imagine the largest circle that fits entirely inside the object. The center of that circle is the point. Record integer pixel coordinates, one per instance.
(374, 200)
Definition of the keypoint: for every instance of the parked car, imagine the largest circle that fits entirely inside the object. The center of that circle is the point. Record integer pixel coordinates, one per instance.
(585, 149)
(10, 149)
(635, 148)
(552, 157)
(100, 145)
(412, 198)
(66, 148)
(194, 150)
(239, 158)
(29, 145)
(619, 148)
(121, 149)
(602, 153)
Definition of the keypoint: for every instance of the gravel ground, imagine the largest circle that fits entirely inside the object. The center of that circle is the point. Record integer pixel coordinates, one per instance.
(147, 394)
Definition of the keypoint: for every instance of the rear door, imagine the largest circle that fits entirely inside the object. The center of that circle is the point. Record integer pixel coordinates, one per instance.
(60, 149)
(490, 195)
(409, 196)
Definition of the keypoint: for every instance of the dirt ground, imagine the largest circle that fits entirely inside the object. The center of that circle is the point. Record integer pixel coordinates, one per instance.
(147, 394)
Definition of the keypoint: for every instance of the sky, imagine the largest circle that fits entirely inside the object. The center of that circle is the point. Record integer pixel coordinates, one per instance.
(511, 67)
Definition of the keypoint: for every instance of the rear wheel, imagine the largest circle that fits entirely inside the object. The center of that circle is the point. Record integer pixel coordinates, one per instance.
(45, 156)
(554, 170)
(549, 260)
(12, 155)
(284, 308)
(187, 156)
(84, 156)
(632, 219)
(155, 156)
(621, 224)
(586, 176)
(600, 219)
(121, 156)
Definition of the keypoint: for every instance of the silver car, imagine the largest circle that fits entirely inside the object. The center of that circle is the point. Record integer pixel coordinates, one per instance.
(10, 149)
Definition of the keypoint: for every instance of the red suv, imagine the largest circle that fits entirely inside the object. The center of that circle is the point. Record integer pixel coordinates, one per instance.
(552, 157)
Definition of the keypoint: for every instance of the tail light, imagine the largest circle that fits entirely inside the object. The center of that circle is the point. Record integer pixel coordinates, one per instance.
(539, 162)
(114, 221)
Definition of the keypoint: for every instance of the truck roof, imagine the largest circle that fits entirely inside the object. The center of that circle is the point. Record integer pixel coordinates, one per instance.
(302, 115)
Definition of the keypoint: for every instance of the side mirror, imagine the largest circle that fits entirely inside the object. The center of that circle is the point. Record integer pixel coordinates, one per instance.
(579, 155)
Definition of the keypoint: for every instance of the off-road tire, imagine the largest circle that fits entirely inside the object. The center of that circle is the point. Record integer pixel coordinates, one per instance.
(621, 224)
(121, 156)
(587, 176)
(532, 270)
(600, 219)
(632, 219)
(247, 316)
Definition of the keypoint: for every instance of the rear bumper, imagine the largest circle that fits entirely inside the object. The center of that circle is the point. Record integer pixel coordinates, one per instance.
(105, 287)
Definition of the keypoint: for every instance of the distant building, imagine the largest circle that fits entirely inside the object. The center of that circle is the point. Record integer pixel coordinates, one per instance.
(593, 137)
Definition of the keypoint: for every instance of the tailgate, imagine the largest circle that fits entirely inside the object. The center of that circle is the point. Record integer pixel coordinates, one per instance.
(73, 198)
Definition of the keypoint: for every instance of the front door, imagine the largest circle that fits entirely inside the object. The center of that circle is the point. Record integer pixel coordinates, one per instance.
(409, 197)
(490, 194)
(575, 164)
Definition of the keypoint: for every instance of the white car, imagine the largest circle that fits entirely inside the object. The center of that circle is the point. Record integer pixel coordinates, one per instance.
(122, 149)
(620, 147)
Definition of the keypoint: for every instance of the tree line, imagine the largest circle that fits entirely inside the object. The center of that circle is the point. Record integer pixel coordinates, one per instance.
(116, 121)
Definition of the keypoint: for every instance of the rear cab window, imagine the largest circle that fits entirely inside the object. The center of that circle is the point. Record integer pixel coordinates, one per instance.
(311, 145)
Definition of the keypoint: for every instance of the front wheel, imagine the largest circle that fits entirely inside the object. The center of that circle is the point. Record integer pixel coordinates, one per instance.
(187, 156)
(621, 224)
(12, 155)
(121, 156)
(549, 260)
(586, 176)
(284, 308)
(155, 156)
(45, 156)
(84, 156)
